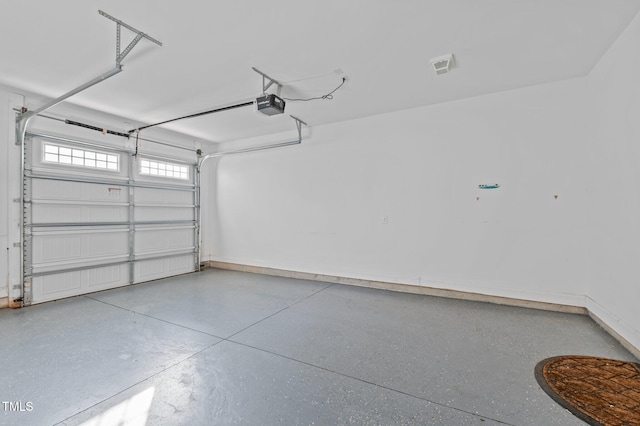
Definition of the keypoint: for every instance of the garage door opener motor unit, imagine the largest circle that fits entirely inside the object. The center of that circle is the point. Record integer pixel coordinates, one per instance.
(270, 104)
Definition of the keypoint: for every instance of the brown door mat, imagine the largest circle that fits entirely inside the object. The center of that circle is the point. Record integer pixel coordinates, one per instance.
(599, 391)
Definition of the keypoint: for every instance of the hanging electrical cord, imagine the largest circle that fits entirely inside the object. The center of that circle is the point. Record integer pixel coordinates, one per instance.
(328, 96)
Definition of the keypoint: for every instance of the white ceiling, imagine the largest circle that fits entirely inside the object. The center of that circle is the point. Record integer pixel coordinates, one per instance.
(382, 46)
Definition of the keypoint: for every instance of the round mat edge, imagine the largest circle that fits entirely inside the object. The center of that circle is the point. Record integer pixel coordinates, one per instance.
(538, 373)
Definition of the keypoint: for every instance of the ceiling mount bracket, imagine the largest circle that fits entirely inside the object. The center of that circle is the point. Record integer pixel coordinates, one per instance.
(139, 36)
(24, 117)
(299, 124)
(266, 85)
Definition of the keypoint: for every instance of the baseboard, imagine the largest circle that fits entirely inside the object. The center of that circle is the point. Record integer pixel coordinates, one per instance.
(404, 288)
(621, 333)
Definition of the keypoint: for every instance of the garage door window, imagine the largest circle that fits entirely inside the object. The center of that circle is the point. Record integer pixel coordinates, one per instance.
(80, 157)
(159, 168)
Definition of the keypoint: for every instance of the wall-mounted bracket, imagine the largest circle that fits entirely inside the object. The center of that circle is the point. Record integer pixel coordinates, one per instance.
(266, 85)
(139, 36)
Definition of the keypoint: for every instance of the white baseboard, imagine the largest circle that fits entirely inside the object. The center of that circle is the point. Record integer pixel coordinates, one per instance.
(404, 288)
(628, 336)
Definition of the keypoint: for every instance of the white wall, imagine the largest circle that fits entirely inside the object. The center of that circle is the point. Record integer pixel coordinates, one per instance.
(320, 207)
(209, 236)
(614, 192)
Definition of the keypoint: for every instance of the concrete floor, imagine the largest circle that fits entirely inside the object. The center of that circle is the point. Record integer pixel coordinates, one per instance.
(222, 347)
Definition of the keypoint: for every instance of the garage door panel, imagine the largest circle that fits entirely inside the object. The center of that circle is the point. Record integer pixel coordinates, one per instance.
(163, 196)
(82, 237)
(179, 264)
(56, 247)
(152, 240)
(152, 269)
(77, 264)
(44, 189)
(57, 286)
(99, 278)
(72, 213)
(50, 287)
(155, 214)
(56, 190)
(105, 214)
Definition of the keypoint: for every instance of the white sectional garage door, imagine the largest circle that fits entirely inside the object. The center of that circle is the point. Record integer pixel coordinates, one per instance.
(99, 218)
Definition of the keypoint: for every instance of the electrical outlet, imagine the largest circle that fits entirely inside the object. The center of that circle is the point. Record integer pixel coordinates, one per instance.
(385, 220)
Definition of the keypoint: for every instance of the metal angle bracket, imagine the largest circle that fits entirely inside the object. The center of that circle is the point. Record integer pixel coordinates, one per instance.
(24, 116)
(266, 85)
(299, 124)
(139, 36)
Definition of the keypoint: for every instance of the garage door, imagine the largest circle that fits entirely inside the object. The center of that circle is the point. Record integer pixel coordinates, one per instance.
(96, 217)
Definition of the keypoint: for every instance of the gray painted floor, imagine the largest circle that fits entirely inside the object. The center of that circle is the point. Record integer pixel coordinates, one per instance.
(222, 347)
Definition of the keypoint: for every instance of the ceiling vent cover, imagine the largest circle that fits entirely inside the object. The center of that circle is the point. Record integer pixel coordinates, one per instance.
(442, 64)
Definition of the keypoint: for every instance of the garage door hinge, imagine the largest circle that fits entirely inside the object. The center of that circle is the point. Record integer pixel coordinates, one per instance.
(16, 200)
(17, 245)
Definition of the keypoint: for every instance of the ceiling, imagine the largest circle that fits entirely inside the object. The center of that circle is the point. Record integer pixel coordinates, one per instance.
(383, 47)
